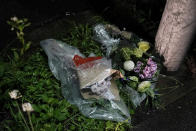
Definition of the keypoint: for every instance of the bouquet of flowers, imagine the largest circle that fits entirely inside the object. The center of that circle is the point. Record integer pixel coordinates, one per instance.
(103, 87)
(133, 57)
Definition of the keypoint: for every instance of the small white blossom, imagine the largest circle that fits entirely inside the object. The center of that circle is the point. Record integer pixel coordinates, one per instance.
(129, 65)
(27, 107)
(15, 94)
(12, 28)
(14, 18)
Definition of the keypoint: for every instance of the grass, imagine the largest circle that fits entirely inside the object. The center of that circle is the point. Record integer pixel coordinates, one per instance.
(81, 37)
(51, 111)
(33, 78)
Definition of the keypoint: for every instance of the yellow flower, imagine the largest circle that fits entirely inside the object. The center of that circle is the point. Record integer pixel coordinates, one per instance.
(143, 45)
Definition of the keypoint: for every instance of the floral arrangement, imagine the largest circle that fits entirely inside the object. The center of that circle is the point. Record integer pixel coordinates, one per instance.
(139, 68)
(133, 57)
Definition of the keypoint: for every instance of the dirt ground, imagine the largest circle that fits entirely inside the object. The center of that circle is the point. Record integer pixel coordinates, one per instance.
(178, 116)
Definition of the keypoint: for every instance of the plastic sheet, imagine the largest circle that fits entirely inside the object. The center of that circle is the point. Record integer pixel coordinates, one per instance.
(103, 37)
(135, 97)
(108, 105)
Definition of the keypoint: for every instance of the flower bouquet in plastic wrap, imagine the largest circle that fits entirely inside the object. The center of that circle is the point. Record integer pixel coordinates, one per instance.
(97, 85)
(133, 57)
(88, 83)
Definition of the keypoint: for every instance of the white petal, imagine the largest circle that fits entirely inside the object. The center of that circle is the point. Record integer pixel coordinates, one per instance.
(27, 107)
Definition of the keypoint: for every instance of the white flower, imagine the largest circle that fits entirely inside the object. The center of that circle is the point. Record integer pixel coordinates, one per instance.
(15, 94)
(129, 65)
(14, 18)
(27, 107)
(143, 86)
(12, 28)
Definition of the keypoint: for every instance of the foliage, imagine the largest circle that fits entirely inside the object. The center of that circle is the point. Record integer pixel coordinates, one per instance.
(38, 86)
(32, 77)
(19, 25)
(81, 37)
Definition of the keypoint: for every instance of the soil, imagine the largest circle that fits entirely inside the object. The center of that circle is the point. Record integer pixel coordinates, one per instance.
(178, 116)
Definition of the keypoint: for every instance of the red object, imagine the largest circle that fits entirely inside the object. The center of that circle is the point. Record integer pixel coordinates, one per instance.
(78, 60)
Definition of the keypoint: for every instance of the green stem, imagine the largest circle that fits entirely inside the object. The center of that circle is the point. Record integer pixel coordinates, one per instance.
(29, 116)
(22, 116)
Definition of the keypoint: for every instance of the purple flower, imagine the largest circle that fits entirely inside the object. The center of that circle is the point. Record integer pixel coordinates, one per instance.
(122, 79)
(138, 67)
(141, 76)
(148, 71)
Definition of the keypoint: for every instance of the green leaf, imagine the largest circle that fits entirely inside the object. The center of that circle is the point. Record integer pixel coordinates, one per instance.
(138, 52)
(27, 24)
(150, 92)
(16, 55)
(126, 53)
(122, 71)
(134, 78)
(22, 51)
(109, 125)
(60, 116)
(36, 108)
(27, 46)
(132, 112)
(132, 84)
(3, 67)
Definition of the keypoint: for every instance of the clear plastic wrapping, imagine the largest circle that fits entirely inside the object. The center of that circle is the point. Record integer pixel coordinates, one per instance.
(103, 37)
(88, 86)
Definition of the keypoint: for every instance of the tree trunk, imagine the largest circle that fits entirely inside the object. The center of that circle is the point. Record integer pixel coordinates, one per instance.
(176, 31)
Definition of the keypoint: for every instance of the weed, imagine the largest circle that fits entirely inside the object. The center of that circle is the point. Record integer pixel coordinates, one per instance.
(33, 78)
(18, 25)
(81, 37)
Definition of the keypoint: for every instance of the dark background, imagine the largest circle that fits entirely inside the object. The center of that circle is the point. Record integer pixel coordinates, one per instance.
(119, 12)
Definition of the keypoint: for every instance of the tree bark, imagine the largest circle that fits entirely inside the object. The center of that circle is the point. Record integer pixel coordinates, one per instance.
(176, 31)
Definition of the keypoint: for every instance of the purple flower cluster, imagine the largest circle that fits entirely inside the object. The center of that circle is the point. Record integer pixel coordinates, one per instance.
(149, 70)
(138, 67)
